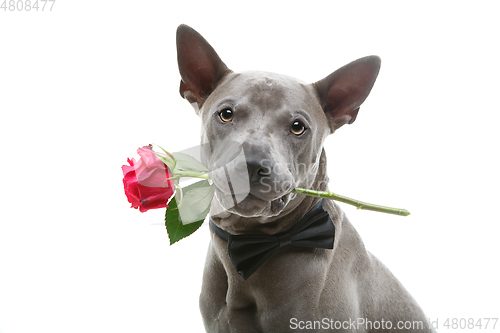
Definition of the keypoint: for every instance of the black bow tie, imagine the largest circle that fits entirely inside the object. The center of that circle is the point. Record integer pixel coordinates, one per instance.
(248, 252)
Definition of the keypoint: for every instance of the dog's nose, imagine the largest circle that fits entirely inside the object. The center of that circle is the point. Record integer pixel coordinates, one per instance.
(258, 169)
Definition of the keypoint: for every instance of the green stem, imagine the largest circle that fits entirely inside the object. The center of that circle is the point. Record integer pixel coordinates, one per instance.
(353, 202)
(194, 174)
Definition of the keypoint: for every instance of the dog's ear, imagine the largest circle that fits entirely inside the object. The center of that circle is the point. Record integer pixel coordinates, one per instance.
(200, 67)
(342, 92)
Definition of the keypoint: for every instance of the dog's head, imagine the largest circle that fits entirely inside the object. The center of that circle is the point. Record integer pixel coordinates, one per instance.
(263, 133)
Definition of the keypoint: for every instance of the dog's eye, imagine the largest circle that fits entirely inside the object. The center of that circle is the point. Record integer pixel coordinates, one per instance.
(226, 115)
(297, 128)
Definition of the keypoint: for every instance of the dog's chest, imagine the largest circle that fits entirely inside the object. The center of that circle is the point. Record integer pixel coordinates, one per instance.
(288, 286)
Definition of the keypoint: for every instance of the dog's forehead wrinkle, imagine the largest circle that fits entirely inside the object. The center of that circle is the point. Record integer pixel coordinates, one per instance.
(269, 90)
(266, 99)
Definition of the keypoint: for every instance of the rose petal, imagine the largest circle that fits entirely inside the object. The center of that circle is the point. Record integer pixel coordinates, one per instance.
(147, 155)
(146, 182)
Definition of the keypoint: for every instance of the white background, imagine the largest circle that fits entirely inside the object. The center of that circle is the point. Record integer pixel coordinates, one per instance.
(83, 86)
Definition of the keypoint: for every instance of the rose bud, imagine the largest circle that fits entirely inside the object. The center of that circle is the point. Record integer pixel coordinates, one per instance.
(146, 181)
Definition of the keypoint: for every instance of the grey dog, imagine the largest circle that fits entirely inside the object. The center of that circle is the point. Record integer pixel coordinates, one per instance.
(280, 123)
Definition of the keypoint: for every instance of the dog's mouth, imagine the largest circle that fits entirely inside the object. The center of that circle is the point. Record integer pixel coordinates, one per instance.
(252, 205)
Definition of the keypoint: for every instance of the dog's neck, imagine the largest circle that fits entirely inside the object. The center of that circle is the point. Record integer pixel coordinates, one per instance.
(295, 209)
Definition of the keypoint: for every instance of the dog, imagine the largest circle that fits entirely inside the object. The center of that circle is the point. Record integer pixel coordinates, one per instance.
(280, 123)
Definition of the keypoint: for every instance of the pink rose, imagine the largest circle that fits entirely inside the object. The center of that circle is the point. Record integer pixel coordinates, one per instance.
(146, 181)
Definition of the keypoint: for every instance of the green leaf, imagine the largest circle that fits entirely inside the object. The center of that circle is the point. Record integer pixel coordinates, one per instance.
(166, 152)
(167, 160)
(175, 229)
(189, 163)
(196, 201)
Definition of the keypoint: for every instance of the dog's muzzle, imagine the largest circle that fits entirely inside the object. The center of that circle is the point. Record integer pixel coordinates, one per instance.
(250, 185)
